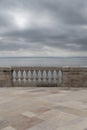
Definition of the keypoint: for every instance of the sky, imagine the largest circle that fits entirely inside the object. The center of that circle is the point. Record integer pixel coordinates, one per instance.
(43, 28)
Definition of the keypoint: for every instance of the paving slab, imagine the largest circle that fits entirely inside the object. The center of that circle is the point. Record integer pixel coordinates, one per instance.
(35, 108)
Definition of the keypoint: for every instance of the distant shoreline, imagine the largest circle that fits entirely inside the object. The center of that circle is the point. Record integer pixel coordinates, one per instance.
(47, 57)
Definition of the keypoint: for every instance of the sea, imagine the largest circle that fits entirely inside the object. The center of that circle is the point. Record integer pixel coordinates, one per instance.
(43, 61)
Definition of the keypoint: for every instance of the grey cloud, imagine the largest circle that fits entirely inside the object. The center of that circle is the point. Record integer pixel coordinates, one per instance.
(67, 30)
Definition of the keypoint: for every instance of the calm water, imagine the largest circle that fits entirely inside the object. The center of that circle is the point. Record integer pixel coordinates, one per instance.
(51, 61)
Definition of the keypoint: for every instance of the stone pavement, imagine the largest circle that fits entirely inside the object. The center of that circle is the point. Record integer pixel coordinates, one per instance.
(43, 108)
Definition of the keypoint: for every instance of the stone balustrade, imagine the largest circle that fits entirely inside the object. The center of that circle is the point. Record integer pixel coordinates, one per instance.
(36, 76)
(43, 76)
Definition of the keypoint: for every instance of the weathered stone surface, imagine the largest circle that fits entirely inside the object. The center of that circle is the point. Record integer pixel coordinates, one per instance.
(37, 108)
(5, 77)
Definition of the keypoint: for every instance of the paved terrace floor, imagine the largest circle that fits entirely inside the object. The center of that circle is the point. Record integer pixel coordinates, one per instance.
(43, 109)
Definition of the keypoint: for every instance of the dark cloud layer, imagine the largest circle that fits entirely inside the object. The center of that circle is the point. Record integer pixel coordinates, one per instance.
(43, 27)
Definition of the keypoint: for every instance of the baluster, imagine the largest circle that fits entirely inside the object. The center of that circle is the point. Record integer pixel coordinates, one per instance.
(49, 76)
(60, 76)
(21, 78)
(14, 76)
(39, 76)
(24, 75)
(34, 77)
(19, 75)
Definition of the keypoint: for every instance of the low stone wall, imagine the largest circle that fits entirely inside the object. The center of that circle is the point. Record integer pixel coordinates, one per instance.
(74, 77)
(71, 76)
(5, 77)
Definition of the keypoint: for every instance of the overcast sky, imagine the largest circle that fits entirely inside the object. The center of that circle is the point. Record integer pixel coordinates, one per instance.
(43, 27)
